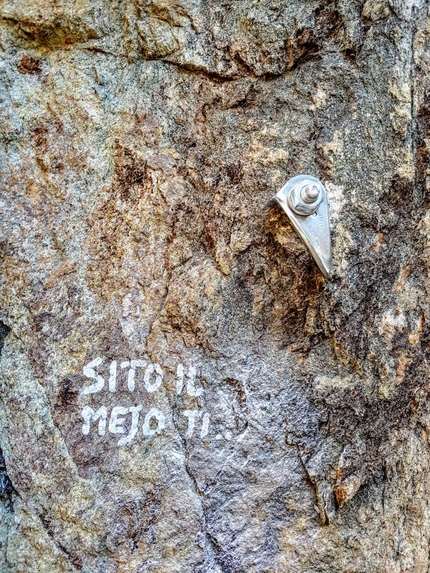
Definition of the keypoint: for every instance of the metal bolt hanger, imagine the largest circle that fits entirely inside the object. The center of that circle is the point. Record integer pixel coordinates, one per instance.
(304, 200)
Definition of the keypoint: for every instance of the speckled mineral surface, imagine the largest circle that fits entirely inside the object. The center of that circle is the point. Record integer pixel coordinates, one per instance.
(181, 390)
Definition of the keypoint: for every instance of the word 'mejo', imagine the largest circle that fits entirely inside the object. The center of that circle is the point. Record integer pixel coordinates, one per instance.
(154, 421)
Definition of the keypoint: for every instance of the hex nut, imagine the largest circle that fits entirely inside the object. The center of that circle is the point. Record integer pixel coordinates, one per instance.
(305, 197)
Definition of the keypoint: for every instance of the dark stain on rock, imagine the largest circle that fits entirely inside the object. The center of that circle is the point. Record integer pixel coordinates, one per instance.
(7, 491)
(4, 331)
(29, 65)
(50, 33)
(129, 172)
(307, 43)
(69, 391)
(45, 140)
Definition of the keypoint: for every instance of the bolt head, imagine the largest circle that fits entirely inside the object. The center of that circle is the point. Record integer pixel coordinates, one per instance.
(310, 193)
(305, 197)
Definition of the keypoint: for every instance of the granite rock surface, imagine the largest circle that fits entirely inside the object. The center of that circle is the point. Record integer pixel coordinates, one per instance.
(180, 389)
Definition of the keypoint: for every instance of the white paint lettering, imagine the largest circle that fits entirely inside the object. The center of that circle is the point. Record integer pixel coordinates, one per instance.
(89, 372)
(132, 372)
(112, 376)
(152, 387)
(126, 364)
(155, 420)
(205, 425)
(133, 365)
(191, 383)
(116, 425)
(192, 390)
(179, 378)
(135, 410)
(161, 422)
(88, 414)
(192, 416)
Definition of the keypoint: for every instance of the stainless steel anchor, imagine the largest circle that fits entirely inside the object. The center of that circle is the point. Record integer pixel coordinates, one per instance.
(304, 200)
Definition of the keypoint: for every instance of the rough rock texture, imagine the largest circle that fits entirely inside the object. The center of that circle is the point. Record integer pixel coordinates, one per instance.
(282, 420)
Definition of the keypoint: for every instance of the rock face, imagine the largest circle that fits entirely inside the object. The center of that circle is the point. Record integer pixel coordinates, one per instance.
(181, 390)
